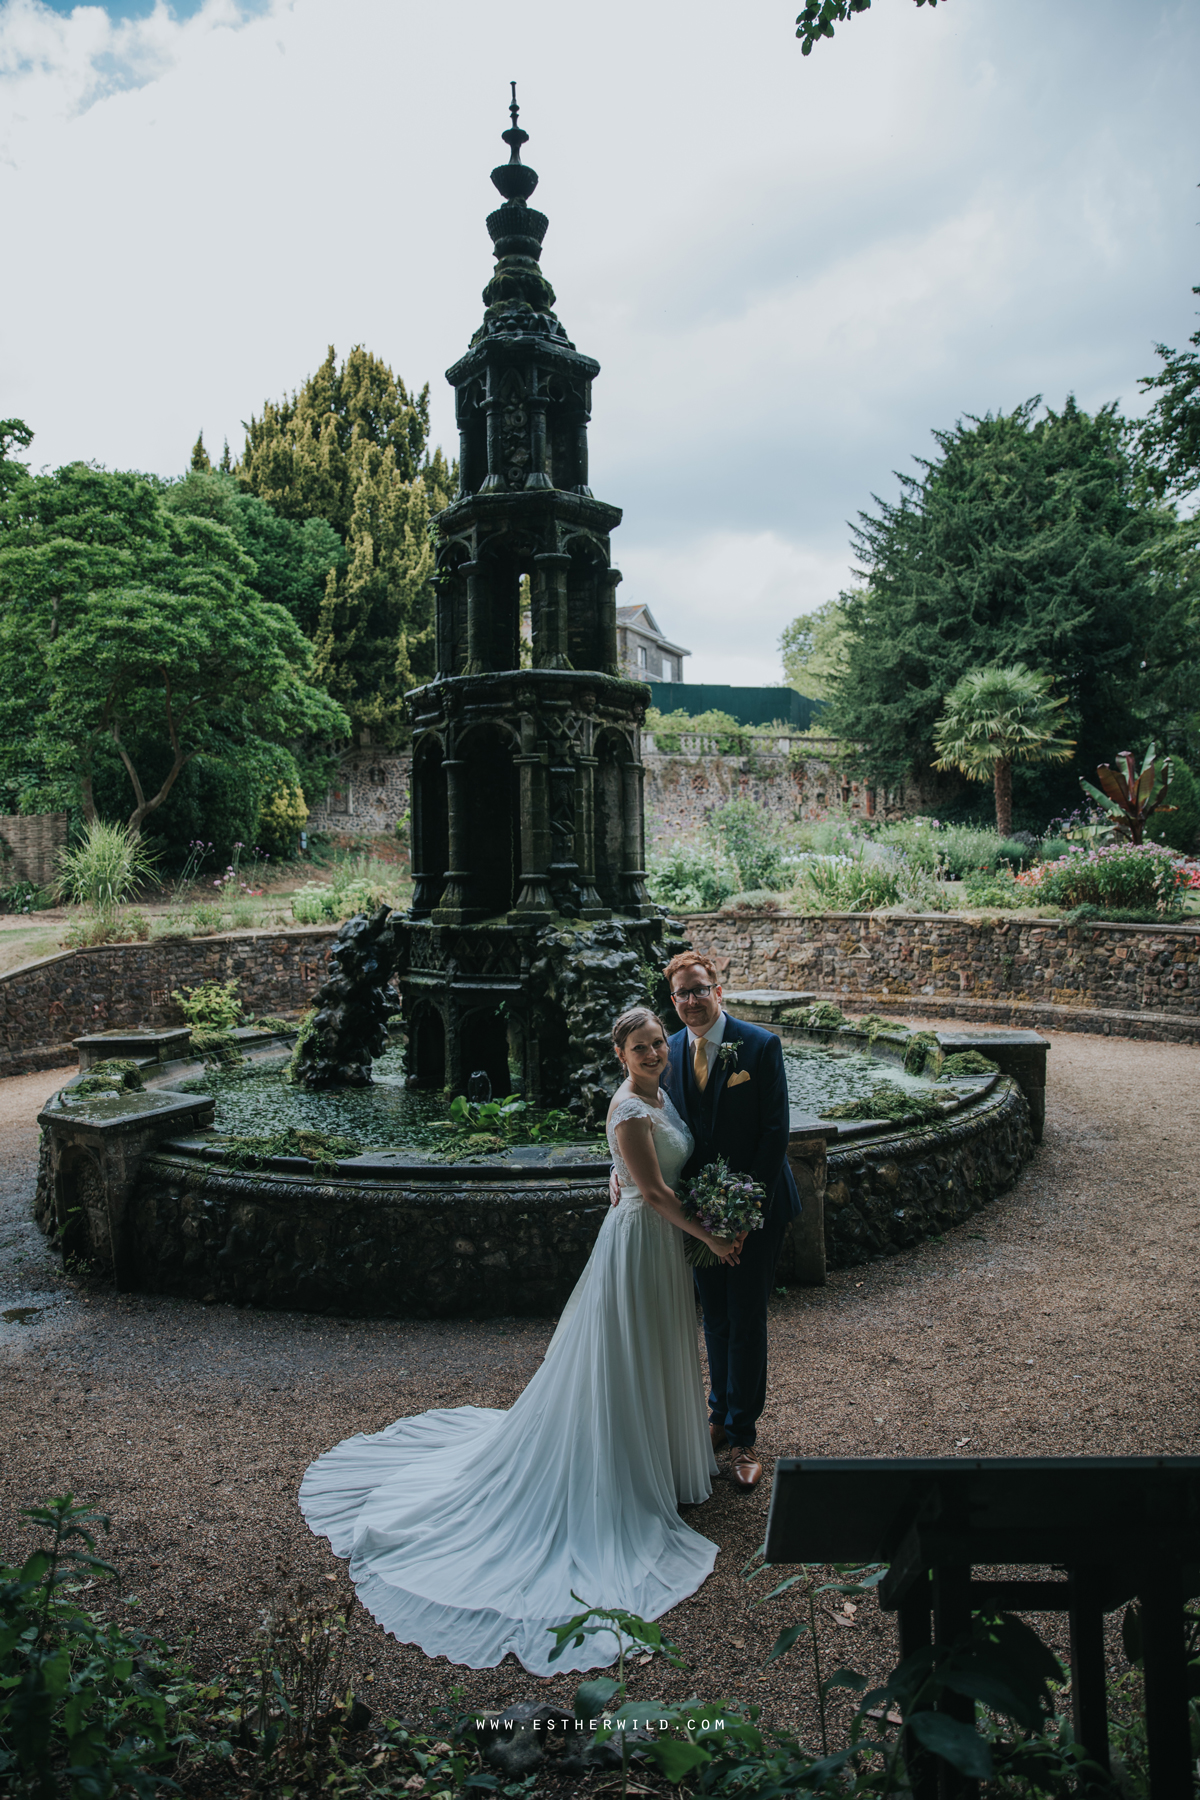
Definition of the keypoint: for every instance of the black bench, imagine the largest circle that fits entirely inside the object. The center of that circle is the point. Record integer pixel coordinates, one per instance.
(1117, 1526)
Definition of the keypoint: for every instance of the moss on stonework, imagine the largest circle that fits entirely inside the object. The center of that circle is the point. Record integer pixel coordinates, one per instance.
(888, 1102)
(822, 1016)
(322, 1148)
(875, 1025)
(922, 1054)
(114, 1074)
(969, 1062)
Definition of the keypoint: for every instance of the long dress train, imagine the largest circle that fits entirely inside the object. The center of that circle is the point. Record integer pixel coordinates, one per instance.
(469, 1528)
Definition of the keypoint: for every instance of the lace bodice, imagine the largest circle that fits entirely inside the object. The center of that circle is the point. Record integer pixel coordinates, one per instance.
(673, 1142)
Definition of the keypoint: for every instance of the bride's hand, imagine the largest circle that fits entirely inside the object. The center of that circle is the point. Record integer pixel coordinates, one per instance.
(724, 1248)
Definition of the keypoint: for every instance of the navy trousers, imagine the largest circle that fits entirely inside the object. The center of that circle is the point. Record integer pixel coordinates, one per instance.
(735, 1328)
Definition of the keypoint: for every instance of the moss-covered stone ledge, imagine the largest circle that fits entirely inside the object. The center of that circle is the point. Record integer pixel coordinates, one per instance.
(47, 1004)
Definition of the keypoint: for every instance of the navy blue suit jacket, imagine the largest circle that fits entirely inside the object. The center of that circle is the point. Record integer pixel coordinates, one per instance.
(748, 1124)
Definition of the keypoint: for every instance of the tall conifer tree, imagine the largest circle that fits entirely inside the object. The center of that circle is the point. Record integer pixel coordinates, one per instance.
(1028, 539)
(351, 446)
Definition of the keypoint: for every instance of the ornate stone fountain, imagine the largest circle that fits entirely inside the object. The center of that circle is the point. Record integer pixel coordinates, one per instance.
(530, 925)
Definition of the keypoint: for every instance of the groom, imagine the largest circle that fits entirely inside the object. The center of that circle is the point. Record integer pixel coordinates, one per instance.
(726, 1079)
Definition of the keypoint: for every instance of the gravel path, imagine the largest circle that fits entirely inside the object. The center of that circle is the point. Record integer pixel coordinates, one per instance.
(1061, 1320)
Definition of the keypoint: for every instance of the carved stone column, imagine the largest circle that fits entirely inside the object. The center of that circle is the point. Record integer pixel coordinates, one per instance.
(633, 876)
(550, 611)
(494, 482)
(581, 457)
(607, 632)
(536, 402)
(478, 624)
(534, 900)
(455, 900)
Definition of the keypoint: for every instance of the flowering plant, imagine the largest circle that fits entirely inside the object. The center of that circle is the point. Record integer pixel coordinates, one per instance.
(1116, 875)
(723, 1203)
(727, 1054)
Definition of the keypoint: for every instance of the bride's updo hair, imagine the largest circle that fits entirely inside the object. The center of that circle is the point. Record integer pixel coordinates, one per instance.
(631, 1021)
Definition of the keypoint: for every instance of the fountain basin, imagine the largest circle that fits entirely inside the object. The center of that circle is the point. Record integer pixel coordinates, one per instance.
(144, 1186)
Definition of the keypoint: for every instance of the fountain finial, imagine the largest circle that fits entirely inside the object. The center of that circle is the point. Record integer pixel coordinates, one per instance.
(514, 178)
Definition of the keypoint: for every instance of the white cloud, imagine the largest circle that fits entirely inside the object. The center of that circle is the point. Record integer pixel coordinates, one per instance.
(790, 268)
(727, 595)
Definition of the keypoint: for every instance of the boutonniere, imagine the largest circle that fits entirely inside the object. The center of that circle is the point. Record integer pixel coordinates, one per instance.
(727, 1055)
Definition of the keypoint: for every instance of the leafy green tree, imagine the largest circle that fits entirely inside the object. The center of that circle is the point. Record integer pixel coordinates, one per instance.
(13, 432)
(129, 636)
(1170, 437)
(1027, 539)
(812, 647)
(820, 16)
(292, 557)
(994, 718)
(201, 461)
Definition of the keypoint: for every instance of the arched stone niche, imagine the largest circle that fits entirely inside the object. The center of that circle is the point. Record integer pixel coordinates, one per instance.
(430, 825)
(488, 826)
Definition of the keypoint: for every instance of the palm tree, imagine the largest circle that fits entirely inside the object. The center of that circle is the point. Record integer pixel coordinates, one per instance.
(995, 717)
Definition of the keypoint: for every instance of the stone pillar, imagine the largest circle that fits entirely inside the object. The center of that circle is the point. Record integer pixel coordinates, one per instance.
(550, 611)
(633, 875)
(606, 634)
(456, 894)
(537, 476)
(478, 624)
(591, 905)
(494, 482)
(533, 893)
(802, 1252)
(581, 457)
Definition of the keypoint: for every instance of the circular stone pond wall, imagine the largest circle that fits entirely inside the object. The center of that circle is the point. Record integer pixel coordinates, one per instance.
(144, 1185)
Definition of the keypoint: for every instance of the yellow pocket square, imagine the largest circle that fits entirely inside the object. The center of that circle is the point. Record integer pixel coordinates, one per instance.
(736, 1080)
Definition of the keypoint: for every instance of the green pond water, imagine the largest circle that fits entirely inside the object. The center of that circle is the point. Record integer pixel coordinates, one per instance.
(259, 1101)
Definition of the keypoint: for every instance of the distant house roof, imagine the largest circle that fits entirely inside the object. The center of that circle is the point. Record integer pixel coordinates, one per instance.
(640, 618)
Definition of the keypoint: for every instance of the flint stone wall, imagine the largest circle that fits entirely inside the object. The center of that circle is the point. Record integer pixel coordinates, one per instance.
(47, 1004)
(790, 778)
(29, 845)
(1126, 980)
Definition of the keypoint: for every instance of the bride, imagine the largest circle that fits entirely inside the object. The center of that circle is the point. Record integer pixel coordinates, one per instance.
(469, 1528)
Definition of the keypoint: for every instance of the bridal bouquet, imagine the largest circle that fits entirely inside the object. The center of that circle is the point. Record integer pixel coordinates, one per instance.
(724, 1203)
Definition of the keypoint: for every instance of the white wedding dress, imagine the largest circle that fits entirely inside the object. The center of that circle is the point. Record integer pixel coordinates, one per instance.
(469, 1528)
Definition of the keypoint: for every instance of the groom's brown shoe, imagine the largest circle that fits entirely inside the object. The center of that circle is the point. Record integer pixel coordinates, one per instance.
(716, 1432)
(745, 1470)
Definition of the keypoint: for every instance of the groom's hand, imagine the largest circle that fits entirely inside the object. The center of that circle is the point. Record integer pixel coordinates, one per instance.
(614, 1188)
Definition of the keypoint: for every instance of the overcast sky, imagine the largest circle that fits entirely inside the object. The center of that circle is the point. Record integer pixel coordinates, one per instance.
(790, 268)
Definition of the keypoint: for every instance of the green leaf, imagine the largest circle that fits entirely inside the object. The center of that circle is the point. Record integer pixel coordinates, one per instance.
(845, 1678)
(592, 1697)
(785, 1640)
(675, 1758)
(960, 1745)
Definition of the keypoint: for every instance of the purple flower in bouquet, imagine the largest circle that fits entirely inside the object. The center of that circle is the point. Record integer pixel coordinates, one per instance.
(723, 1202)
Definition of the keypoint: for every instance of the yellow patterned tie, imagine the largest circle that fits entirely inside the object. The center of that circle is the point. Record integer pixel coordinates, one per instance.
(700, 1063)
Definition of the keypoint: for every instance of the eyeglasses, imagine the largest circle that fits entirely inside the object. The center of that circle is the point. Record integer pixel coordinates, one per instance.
(696, 993)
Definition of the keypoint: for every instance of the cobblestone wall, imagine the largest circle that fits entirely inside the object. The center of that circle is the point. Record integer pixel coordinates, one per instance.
(46, 1004)
(790, 778)
(29, 844)
(1135, 978)
(370, 794)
